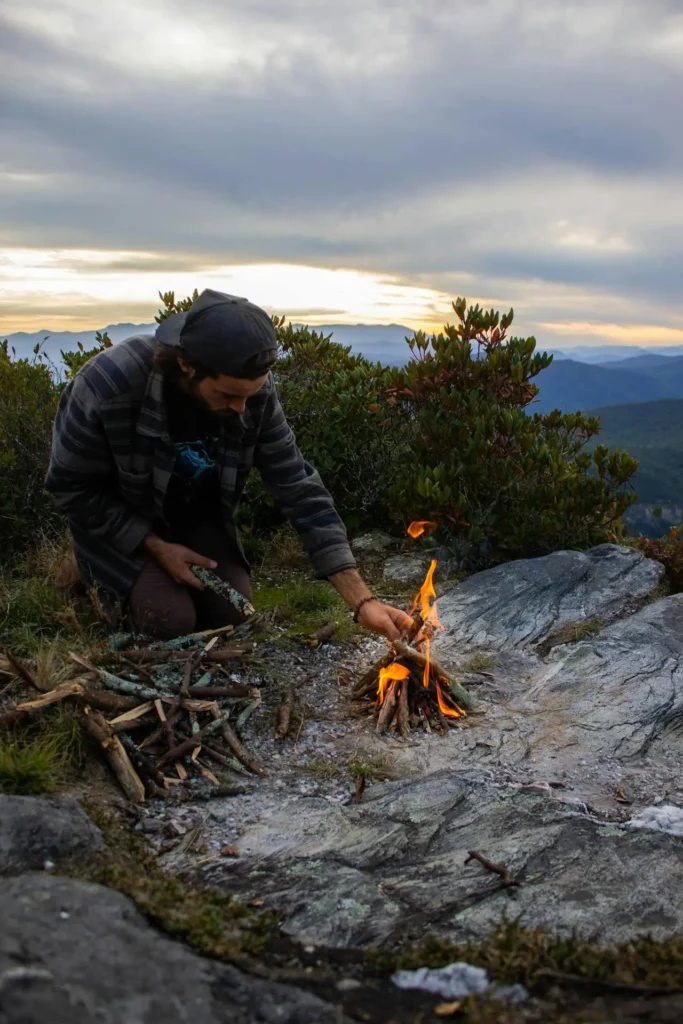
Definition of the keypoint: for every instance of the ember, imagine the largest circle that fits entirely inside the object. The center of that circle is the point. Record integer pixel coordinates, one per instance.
(408, 687)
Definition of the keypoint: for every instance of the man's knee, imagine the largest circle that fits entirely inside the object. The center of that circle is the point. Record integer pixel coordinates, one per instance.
(160, 607)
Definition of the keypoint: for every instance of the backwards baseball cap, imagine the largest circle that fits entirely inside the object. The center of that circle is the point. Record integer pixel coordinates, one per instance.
(225, 334)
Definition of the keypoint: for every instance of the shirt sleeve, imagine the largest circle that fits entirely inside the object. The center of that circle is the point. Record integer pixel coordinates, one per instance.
(297, 488)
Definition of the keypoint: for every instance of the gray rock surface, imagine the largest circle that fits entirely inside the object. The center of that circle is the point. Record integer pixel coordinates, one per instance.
(395, 865)
(74, 953)
(409, 568)
(34, 830)
(372, 542)
(521, 603)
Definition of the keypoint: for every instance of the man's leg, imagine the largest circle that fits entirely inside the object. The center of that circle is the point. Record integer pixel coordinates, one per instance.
(209, 538)
(160, 607)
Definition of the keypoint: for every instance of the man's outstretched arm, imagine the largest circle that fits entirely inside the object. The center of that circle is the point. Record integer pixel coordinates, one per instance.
(302, 496)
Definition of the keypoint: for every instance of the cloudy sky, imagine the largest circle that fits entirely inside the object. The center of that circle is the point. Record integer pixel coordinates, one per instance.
(360, 161)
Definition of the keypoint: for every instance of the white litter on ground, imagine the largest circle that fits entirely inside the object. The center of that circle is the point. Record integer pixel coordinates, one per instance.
(665, 818)
(457, 981)
(452, 982)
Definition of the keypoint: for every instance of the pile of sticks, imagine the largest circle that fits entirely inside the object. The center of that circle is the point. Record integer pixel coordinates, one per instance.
(162, 716)
(407, 703)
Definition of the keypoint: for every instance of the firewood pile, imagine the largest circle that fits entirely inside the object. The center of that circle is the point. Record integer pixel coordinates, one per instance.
(164, 715)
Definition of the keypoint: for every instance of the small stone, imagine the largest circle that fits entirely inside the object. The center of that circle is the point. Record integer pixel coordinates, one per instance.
(348, 985)
(406, 568)
(65, 915)
(375, 540)
(48, 865)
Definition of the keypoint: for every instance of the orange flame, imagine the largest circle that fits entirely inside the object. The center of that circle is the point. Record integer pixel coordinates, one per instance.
(425, 604)
(394, 672)
(450, 712)
(420, 526)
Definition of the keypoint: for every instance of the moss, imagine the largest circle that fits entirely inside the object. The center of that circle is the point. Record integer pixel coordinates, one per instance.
(208, 919)
(514, 953)
(570, 633)
(304, 606)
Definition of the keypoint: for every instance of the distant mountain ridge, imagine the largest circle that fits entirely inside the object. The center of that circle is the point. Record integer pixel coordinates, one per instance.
(582, 378)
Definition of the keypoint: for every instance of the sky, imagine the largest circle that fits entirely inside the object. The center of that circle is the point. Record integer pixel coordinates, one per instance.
(366, 161)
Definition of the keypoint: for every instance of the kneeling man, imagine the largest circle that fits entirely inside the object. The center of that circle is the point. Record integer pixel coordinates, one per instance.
(153, 442)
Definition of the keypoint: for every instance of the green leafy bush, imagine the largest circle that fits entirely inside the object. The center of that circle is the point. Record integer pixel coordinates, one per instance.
(451, 436)
(484, 468)
(28, 401)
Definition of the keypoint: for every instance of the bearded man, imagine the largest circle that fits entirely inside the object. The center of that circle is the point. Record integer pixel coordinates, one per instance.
(153, 442)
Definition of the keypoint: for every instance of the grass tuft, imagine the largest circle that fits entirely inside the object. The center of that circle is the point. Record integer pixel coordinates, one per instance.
(41, 759)
(478, 663)
(372, 769)
(571, 633)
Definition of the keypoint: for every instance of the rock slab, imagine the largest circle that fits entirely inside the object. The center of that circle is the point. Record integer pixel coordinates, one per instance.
(394, 866)
(521, 603)
(76, 953)
(34, 830)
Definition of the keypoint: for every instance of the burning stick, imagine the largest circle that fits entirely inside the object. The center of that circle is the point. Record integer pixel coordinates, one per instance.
(403, 713)
(410, 685)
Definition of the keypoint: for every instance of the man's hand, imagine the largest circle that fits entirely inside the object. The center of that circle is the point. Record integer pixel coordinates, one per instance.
(175, 559)
(382, 618)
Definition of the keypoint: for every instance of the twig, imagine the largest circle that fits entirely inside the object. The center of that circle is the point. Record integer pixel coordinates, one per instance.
(20, 670)
(284, 715)
(183, 692)
(97, 726)
(496, 869)
(187, 746)
(238, 750)
(225, 590)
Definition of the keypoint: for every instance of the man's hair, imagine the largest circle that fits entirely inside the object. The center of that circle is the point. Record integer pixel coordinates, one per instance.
(166, 360)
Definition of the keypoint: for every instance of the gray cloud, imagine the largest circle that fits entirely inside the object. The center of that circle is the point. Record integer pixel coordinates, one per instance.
(412, 139)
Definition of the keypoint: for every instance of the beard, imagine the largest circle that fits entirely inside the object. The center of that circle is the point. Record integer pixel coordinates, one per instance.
(196, 395)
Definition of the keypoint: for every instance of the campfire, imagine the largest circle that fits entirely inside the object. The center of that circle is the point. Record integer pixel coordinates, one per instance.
(408, 688)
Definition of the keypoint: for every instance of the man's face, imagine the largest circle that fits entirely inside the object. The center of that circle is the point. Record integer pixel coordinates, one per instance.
(223, 396)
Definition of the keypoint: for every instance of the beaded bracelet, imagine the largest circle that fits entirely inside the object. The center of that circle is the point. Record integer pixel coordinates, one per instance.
(360, 605)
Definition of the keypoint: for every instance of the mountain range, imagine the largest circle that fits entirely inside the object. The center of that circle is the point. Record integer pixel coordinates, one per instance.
(581, 378)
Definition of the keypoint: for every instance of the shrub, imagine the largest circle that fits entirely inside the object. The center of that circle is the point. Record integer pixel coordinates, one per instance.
(667, 550)
(484, 468)
(28, 402)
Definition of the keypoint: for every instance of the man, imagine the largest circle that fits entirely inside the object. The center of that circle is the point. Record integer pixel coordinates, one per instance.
(153, 442)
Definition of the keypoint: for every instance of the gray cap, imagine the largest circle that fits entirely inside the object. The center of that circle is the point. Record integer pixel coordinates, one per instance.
(225, 333)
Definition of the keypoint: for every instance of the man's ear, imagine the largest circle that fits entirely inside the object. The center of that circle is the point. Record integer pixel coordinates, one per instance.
(188, 370)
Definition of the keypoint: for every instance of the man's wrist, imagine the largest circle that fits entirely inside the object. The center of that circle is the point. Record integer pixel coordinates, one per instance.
(153, 544)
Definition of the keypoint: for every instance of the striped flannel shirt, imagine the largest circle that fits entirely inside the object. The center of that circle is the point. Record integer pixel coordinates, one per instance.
(112, 459)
